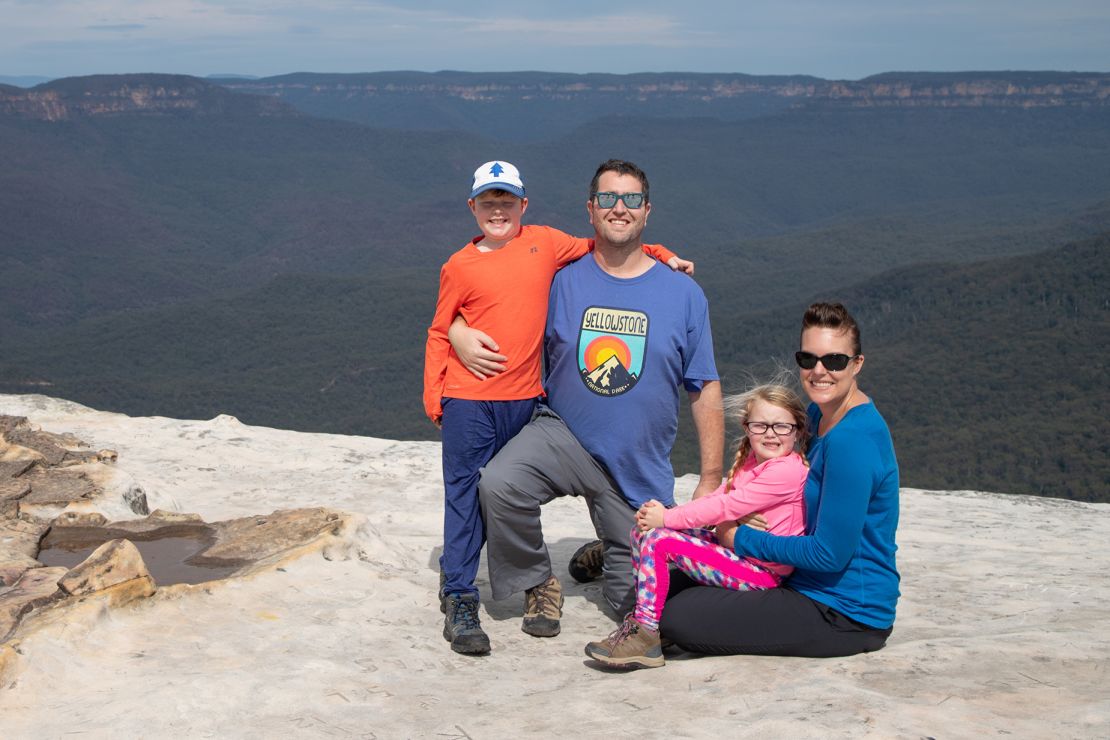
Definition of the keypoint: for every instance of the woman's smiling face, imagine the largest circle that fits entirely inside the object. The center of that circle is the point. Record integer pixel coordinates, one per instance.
(828, 388)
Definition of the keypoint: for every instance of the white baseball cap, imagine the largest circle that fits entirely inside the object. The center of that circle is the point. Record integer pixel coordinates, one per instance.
(497, 175)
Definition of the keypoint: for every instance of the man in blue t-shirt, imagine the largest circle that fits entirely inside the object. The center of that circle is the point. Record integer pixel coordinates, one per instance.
(624, 334)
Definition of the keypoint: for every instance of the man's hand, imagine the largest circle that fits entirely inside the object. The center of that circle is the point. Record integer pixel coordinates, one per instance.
(678, 264)
(705, 487)
(709, 422)
(650, 516)
(476, 350)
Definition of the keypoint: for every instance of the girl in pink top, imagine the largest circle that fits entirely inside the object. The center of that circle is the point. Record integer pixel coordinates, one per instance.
(768, 478)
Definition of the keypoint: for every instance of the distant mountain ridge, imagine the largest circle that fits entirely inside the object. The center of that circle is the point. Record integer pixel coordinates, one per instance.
(520, 106)
(974, 89)
(533, 105)
(103, 95)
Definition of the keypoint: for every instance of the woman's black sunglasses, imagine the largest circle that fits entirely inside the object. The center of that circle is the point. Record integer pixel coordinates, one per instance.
(833, 362)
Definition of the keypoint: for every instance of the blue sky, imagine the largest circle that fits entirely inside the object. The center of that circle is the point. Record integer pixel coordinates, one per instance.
(834, 39)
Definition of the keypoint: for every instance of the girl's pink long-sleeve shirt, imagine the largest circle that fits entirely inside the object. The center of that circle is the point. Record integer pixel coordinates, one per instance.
(774, 489)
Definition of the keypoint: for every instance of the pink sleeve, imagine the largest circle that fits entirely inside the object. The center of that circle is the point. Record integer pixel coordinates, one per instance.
(751, 490)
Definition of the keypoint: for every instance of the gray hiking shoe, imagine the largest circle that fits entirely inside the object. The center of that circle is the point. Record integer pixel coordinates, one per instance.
(543, 607)
(632, 645)
(461, 626)
(585, 563)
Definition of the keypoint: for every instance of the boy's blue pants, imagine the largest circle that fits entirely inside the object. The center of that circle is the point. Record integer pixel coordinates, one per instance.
(473, 432)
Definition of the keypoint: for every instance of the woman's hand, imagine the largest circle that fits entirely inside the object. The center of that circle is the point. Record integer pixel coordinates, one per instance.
(476, 350)
(755, 521)
(726, 533)
(650, 516)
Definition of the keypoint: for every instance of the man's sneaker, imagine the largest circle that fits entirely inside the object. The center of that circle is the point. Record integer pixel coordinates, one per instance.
(462, 628)
(632, 645)
(585, 563)
(543, 607)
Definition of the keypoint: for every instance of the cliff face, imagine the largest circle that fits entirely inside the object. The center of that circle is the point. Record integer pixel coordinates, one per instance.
(654, 94)
(106, 95)
(1022, 90)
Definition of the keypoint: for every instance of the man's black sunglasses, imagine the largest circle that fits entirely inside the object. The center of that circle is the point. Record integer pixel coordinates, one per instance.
(833, 362)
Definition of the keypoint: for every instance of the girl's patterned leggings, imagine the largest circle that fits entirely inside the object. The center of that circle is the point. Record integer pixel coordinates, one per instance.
(696, 553)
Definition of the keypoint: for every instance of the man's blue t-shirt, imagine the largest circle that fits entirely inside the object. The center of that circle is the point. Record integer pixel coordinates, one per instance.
(616, 353)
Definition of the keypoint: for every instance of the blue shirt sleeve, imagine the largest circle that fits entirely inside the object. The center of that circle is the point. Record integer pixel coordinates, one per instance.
(698, 363)
(836, 517)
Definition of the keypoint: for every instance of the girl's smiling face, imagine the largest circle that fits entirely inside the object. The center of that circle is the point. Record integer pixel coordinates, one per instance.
(770, 445)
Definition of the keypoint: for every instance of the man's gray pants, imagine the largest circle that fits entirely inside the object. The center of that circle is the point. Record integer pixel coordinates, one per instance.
(544, 461)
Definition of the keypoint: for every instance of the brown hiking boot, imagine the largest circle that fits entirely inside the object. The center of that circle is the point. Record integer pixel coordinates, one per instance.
(543, 606)
(632, 645)
(585, 563)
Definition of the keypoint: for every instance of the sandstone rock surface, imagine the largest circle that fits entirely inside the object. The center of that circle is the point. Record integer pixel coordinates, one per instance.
(1003, 626)
(114, 565)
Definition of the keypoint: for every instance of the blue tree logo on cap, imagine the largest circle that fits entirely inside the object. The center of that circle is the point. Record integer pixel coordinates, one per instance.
(497, 175)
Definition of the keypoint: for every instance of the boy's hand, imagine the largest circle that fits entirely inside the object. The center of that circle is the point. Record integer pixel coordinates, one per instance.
(476, 350)
(650, 516)
(681, 265)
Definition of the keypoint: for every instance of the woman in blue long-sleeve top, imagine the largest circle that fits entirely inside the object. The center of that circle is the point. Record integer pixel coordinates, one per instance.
(841, 598)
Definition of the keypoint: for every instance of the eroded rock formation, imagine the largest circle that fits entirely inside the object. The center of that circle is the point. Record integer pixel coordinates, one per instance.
(51, 487)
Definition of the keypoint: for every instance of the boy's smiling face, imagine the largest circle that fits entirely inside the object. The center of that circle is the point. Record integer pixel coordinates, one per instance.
(498, 214)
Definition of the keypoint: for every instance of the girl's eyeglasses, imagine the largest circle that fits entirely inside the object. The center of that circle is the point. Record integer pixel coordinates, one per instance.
(760, 427)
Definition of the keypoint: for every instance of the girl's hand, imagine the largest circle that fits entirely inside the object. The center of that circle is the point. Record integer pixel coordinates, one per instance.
(476, 350)
(650, 515)
(755, 521)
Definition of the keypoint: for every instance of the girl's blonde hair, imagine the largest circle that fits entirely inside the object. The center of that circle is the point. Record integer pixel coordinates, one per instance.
(739, 407)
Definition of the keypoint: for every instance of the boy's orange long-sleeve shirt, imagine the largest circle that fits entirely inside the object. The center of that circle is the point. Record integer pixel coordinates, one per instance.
(504, 293)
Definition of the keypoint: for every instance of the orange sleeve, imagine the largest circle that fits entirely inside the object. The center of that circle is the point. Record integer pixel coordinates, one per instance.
(438, 346)
(568, 248)
(659, 252)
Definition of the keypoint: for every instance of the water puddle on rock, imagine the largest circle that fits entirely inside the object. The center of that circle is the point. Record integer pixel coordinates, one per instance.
(165, 557)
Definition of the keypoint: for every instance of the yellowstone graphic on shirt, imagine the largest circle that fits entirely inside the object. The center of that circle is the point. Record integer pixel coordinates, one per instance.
(611, 345)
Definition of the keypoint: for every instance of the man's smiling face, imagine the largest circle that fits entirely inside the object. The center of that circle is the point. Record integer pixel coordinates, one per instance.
(619, 225)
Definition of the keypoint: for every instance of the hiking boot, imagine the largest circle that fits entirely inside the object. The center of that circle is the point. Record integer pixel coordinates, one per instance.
(632, 645)
(585, 563)
(461, 626)
(543, 606)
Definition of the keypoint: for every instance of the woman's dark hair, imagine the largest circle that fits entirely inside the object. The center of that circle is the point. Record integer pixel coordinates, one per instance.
(621, 167)
(833, 316)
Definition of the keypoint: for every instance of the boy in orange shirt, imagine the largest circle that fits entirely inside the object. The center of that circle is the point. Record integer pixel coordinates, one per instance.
(499, 282)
